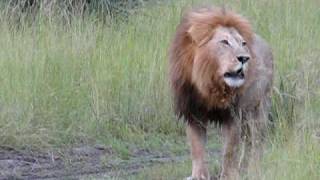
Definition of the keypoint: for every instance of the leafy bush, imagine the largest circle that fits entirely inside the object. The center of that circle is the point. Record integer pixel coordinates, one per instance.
(115, 9)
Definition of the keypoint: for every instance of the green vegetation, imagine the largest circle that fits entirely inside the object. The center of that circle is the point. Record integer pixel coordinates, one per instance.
(82, 81)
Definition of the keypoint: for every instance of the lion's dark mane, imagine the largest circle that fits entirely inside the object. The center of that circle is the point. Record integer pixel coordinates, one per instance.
(189, 104)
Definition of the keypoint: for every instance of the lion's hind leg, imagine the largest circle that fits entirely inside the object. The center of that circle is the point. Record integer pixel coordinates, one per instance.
(232, 135)
(255, 133)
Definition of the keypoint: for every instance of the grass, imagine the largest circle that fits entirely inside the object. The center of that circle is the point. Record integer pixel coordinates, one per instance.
(85, 82)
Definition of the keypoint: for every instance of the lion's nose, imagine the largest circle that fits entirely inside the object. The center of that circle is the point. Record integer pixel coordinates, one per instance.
(243, 59)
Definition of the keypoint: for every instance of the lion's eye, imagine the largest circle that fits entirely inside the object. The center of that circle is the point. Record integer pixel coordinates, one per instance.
(226, 42)
(244, 43)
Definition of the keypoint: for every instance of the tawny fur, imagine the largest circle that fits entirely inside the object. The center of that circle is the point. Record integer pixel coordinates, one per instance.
(195, 29)
(200, 92)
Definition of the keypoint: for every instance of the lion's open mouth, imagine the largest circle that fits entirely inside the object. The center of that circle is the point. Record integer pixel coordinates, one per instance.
(236, 74)
(234, 79)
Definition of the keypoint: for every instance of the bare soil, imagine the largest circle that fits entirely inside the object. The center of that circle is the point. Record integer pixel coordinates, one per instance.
(75, 163)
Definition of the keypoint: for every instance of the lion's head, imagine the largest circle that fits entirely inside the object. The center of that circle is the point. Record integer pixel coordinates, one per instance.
(212, 52)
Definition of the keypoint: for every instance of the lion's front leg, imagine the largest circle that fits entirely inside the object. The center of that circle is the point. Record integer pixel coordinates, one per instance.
(196, 134)
(232, 135)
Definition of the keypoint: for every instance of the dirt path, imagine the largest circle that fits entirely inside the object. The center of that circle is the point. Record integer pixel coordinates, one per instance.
(76, 163)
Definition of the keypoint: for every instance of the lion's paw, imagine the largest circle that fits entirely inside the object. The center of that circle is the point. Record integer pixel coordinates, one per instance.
(189, 178)
(197, 178)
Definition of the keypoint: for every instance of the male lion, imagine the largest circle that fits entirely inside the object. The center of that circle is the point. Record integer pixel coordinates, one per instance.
(221, 72)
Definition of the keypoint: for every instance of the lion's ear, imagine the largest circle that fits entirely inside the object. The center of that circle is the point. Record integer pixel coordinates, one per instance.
(200, 33)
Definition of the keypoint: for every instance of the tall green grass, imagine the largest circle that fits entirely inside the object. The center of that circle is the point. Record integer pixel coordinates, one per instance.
(69, 83)
(83, 81)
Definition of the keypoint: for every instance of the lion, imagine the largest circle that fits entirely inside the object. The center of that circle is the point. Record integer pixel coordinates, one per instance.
(221, 72)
